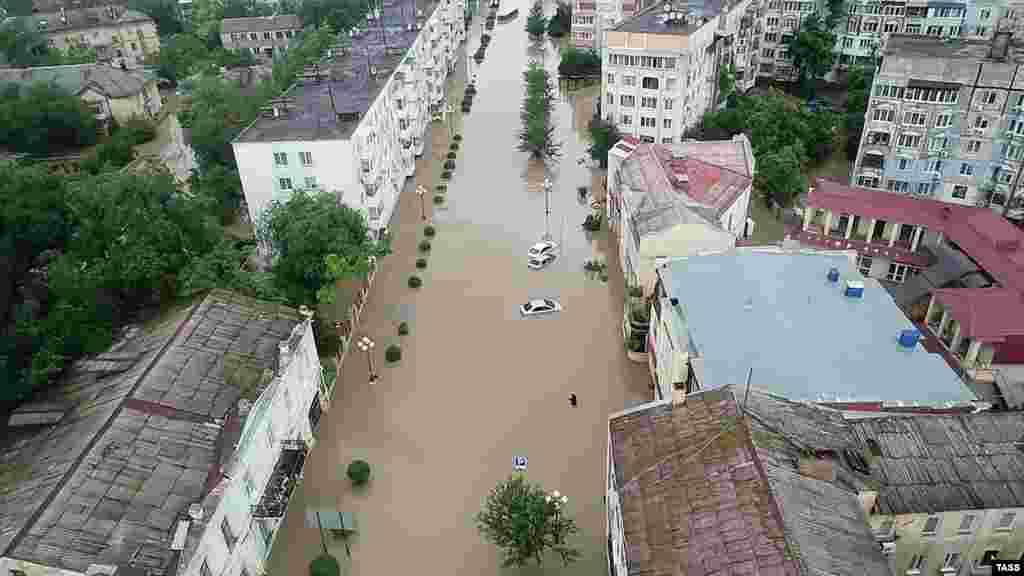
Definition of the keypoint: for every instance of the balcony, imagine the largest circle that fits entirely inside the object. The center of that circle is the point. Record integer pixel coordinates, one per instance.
(278, 490)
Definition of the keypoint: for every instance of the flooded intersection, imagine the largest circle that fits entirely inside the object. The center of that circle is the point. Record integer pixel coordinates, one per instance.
(477, 384)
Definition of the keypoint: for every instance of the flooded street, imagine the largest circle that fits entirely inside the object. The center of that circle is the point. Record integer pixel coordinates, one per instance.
(477, 384)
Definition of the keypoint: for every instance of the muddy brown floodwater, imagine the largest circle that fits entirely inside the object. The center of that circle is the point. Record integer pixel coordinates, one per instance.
(477, 384)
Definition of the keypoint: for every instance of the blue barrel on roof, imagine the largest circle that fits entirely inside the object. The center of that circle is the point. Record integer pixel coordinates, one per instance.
(833, 274)
(909, 338)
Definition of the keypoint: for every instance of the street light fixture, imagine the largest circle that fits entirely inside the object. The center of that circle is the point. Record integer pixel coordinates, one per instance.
(421, 192)
(547, 210)
(449, 111)
(366, 345)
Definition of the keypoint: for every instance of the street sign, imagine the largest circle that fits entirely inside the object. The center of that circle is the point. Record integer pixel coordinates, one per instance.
(519, 463)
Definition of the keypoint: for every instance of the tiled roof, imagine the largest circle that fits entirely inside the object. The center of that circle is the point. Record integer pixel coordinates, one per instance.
(107, 80)
(938, 463)
(261, 24)
(986, 314)
(141, 439)
(709, 488)
(836, 348)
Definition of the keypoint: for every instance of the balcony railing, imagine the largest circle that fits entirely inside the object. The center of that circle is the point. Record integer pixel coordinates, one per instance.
(278, 491)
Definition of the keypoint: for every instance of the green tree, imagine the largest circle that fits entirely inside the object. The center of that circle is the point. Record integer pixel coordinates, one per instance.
(726, 81)
(858, 91)
(536, 23)
(561, 23)
(164, 12)
(223, 187)
(226, 266)
(525, 522)
(603, 135)
(577, 62)
(836, 13)
(302, 231)
(180, 56)
(23, 46)
(812, 50)
(43, 118)
(537, 134)
(779, 175)
(219, 112)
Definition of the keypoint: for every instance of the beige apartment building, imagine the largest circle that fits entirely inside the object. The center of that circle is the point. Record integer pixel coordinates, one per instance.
(946, 121)
(260, 35)
(661, 67)
(119, 36)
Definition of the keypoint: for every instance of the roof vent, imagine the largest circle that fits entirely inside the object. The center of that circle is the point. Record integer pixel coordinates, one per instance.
(833, 274)
(909, 338)
(854, 289)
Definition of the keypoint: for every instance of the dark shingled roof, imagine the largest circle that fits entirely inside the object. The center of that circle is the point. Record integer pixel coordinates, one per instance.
(705, 490)
(261, 24)
(141, 440)
(939, 463)
(107, 80)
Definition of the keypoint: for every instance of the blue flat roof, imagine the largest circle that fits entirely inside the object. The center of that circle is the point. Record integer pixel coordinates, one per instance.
(775, 311)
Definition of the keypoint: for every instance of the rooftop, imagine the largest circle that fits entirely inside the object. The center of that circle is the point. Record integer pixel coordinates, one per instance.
(985, 314)
(107, 80)
(937, 463)
(261, 24)
(348, 82)
(709, 488)
(140, 439)
(82, 18)
(910, 46)
(837, 348)
(686, 16)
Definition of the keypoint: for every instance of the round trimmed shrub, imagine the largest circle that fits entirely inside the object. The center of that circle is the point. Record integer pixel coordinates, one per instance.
(449, 165)
(421, 263)
(425, 245)
(454, 146)
(457, 137)
(325, 564)
(429, 231)
(393, 353)
(439, 199)
(452, 155)
(441, 188)
(415, 281)
(403, 327)
(358, 472)
(446, 175)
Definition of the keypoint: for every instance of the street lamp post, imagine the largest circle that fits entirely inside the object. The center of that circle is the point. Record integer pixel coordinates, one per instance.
(547, 209)
(421, 192)
(366, 345)
(449, 110)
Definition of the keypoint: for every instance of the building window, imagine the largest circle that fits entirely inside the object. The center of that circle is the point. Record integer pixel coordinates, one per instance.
(650, 83)
(908, 140)
(279, 35)
(960, 191)
(627, 120)
(253, 36)
(973, 146)
(951, 563)
(864, 264)
(611, 98)
(666, 140)
(966, 524)
(281, 158)
(981, 122)
(647, 122)
(915, 118)
(666, 123)
(868, 181)
(229, 536)
(768, 53)
(939, 144)
(629, 80)
(883, 115)
(611, 78)
(903, 163)
(204, 570)
(285, 183)
(916, 564)
(931, 525)
(667, 103)
(311, 183)
(935, 166)
(984, 13)
(306, 158)
(966, 169)
(942, 120)
(1005, 522)
(989, 97)
(267, 36)
(649, 102)
(627, 101)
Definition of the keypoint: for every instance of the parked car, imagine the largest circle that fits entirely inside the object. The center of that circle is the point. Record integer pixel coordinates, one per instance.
(541, 248)
(541, 261)
(540, 306)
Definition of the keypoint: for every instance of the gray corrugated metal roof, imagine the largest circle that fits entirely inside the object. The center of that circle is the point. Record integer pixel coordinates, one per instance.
(108, 80)
(836, 348)
(106, 484)
(261, 24)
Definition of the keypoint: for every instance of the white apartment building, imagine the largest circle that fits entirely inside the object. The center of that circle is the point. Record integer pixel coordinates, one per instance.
(592, 18)
(354, 123)
(661, 67)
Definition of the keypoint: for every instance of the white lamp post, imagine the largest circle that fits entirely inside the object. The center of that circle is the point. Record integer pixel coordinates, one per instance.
(366, 345)
(547, 210)
(421, 192)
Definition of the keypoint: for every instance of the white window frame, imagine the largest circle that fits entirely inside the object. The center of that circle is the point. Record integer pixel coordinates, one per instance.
(956, 191)
(306, 158)
(280, 158)
(285, 184)
(864, 263)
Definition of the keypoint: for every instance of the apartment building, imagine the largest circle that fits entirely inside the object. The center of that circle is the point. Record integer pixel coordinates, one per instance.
(714, 316)
(955, 271)
(726, 481)
(118, 35)
(354, 123)
(175, 452)
(946, 121)
(661, 67)
(592, 18)
(260, 35)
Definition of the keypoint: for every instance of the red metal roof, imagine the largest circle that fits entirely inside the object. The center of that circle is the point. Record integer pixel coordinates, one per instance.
(986, 314)
(988, 238)
(897, 254)
(715, 187)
